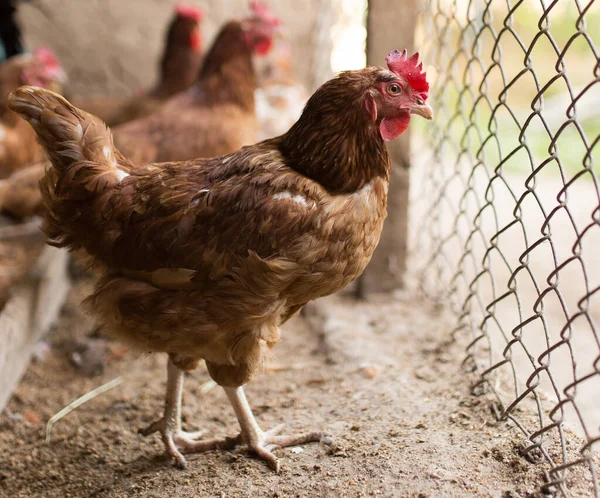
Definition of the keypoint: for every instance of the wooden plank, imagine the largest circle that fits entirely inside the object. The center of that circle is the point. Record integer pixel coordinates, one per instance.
(390, 25)
(15, 332)
(29, 314)
(52, 289)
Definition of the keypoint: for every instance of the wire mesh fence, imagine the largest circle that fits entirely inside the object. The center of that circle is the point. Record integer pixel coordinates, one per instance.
(508, 209)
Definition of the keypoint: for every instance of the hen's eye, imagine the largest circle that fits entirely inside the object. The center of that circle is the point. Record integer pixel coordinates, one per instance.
(394, 89)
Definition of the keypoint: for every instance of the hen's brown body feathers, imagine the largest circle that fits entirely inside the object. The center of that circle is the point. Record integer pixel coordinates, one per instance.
(213, 117)
(206, 258)
(246, 254)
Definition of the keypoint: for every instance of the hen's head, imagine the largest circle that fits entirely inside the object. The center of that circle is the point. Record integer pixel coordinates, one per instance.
(397, 93)
(186, 26)
(260, 28)
(44, 70)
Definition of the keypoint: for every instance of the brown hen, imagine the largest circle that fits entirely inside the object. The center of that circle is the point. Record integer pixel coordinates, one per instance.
(205, 259)
(216, 115)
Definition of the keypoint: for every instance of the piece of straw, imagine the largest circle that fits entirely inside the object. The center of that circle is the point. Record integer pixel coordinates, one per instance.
(78, 402)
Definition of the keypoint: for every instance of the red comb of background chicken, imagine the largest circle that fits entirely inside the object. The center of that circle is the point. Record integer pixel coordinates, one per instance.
(261, 11)
(409, 68)
(189, 11)
(44, 69)
(47, 57)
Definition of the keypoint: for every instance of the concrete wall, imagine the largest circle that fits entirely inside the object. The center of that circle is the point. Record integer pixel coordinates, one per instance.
(110, 47)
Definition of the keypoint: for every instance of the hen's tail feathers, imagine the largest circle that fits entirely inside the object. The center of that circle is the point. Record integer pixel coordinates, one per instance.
(80, 147)
(69, 136)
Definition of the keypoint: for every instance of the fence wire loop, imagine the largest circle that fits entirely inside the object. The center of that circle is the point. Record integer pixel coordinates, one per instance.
(507, 212)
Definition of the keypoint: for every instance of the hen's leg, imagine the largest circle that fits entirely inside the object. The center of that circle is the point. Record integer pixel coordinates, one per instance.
(169, 425)
(262, 442)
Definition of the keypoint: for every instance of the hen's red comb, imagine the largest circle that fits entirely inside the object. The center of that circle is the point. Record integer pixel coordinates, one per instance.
(261, 11)
(189, 12)
(409, 68)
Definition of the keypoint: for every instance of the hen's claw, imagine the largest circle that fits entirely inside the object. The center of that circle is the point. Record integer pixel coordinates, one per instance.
(178, 442)
(158, 426)
(264, 442)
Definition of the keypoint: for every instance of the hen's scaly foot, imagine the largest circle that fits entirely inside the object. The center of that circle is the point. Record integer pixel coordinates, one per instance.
(259, 441)
(178, 442)
(264, 442)
(159, 426)
(175, 439)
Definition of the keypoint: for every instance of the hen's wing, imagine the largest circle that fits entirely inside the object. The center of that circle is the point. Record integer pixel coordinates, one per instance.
(204, 215)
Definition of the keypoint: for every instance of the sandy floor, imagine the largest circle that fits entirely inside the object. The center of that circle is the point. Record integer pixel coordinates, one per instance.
(378, 378)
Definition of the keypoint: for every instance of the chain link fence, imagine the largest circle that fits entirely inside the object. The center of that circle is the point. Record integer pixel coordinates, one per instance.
(507, 213)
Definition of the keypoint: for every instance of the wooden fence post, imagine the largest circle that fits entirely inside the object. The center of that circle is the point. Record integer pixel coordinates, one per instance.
(33, 307)
(391, 25)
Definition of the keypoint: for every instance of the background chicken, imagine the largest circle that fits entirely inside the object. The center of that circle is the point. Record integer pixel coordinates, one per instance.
(178, 70)
(216, 117)
(18, 145)
(205, 259)
(20, 195)
(280, 98)
(217, 114)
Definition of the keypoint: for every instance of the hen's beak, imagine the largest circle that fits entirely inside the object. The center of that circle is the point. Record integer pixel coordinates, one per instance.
(423, 110)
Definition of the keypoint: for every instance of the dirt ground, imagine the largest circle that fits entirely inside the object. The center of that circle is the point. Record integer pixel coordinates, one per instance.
(378, 376)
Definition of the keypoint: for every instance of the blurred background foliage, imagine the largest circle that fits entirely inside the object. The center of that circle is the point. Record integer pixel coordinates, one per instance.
(534, 79)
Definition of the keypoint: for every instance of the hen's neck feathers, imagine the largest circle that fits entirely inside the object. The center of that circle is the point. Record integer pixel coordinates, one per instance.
(227, 74)
(179, 63)
(335, 141)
